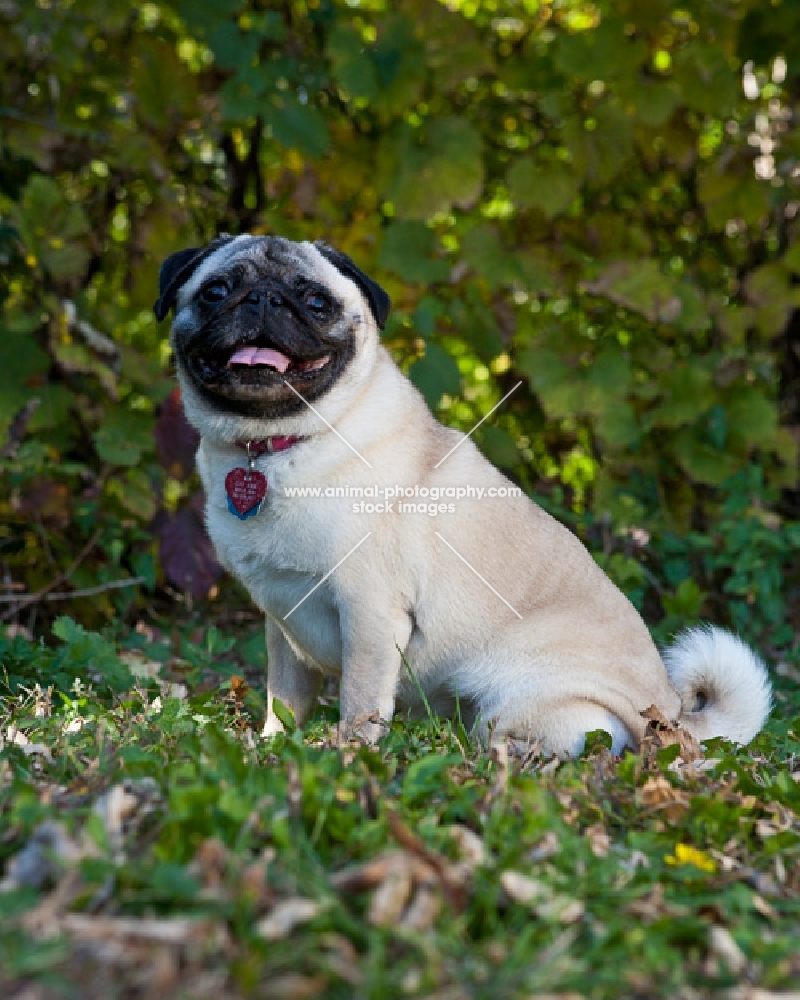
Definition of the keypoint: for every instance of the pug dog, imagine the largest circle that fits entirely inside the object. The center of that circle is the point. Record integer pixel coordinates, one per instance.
(319, 460)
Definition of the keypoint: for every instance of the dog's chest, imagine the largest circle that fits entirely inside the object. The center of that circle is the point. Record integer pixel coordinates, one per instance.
(281, 556)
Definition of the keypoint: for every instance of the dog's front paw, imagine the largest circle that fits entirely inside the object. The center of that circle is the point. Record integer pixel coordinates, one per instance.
(272, 726)
(367, 728)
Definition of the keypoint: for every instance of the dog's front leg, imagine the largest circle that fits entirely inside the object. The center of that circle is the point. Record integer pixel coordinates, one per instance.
(289, 680)
(371, 663)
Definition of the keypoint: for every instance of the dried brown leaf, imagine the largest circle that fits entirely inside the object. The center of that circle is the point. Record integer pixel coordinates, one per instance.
(423, 909)
(210, 862)
(341, 957)
(722, 946)
(652, 906)
(175, 931)
(760, 905)
(452, 878)
(541, 898)
(547, 847)
(125, 806)
(45, 499)
(469, 844)
(286, 915)
(657, 794)
(499, 756)
(364, 876)
(599, 840)
(392, 895)
(665, 733)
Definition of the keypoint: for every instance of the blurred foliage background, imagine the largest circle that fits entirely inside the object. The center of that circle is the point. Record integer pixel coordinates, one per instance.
(599, 200)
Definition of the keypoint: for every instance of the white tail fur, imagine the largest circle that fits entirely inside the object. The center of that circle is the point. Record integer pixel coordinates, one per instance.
(723, 685)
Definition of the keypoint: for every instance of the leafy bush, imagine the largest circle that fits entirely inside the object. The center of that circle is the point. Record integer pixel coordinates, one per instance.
(596, 199)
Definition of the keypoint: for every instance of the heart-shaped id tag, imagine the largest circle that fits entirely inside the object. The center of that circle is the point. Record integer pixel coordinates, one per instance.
(246, 489)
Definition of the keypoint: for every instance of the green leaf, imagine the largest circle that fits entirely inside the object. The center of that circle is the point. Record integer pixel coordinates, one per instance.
(435, 374)
(687, 601)
(477, 323)
(606, 52)
(124, 436)
(232, 48)
(298, 126)
(429, 309)
(135, 492)
(641, 286)
(617, 425)
(654, 100)
(752, 419)
(352, 68)
(55, 405)
(595, 741)
(408, 250)
(20, 359)
(610, 373)
(600, 145)
(159, 71)
(52, 228)
(427, 775)
(483, 251)
(499, 446)
(702, 462)
(688, 393)
(399, 57)
(284, 715)
(429, 170)
(89, 652)
(732, 194)
(707, 81)
(455, 50)
(551, 188)
(559, 386)
(540, 271)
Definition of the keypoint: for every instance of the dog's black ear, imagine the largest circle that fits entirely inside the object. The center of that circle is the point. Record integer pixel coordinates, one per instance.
(178, 268)
(379, 301)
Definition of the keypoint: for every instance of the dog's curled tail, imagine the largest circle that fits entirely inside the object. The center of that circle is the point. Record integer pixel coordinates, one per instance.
(723, 685)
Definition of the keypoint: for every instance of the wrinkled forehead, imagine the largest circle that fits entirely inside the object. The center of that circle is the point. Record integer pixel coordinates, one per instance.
(270, 255)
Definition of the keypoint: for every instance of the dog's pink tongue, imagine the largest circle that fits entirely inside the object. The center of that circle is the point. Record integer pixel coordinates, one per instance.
(260, 356)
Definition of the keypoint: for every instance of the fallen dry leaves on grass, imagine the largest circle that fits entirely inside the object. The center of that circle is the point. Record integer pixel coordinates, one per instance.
(664, 733)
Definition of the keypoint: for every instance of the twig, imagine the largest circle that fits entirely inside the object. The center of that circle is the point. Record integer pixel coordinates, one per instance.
(80, 133)
(18, 428)
(131, 581)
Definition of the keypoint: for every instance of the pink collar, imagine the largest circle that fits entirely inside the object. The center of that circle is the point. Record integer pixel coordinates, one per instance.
(268, 446)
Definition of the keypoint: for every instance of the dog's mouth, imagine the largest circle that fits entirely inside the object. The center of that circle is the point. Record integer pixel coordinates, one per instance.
(257, 362)
(254, 356)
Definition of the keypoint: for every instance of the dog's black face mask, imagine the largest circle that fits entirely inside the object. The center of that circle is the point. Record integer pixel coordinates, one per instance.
(263, 329)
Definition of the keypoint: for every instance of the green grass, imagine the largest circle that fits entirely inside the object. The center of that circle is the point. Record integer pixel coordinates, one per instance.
(424, 867)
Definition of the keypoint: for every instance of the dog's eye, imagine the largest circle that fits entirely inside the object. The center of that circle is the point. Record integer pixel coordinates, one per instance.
(316, 302)
(215, 292)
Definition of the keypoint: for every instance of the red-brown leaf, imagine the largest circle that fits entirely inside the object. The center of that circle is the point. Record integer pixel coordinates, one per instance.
(176, 439)
(187, 554)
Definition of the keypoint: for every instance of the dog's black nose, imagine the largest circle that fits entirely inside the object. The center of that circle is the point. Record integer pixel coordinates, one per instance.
(273, 299)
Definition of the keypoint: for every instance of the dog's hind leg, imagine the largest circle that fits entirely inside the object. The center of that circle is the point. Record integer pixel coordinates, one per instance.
(561, 727)
(290, 680)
